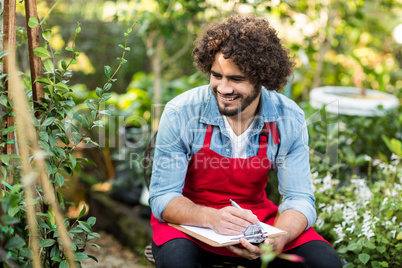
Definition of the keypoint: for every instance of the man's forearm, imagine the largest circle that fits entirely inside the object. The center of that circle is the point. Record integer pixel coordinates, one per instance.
(182, 210)
(293, 222)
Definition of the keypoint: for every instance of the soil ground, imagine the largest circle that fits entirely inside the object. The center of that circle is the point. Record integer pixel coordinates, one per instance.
(113, 255)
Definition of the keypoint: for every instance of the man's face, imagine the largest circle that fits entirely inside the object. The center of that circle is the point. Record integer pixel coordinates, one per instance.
(232, 89)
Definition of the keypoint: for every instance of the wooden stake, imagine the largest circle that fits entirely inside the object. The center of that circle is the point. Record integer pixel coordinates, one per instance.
(9, 44)
(35, 62)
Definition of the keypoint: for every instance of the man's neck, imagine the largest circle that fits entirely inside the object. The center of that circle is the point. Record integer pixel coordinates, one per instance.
(241, 122)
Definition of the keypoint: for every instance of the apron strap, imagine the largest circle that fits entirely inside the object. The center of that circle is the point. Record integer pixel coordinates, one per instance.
(208, 136)
(262, 151)
(274, 132)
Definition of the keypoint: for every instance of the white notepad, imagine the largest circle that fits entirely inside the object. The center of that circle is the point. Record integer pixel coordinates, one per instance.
(222, 240)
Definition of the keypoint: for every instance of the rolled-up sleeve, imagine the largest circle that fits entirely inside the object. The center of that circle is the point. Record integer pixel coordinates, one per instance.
(294, 177)
(169, 163)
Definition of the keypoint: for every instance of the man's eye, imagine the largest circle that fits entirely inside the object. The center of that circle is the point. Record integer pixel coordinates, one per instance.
(217, 75)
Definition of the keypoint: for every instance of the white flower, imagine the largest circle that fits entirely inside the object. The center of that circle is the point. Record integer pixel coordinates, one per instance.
(319, 223)
(362, 191)
(387, 224)
(376, 162)
(339, 232)
(326, 183)
(350, 215)
(367, 158)
(338, 206)
(384, 201)
(393, 232)
(394, 156)
(351, 228)
(368, 224)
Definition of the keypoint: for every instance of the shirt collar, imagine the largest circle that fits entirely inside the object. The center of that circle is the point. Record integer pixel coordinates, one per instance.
(268, 112)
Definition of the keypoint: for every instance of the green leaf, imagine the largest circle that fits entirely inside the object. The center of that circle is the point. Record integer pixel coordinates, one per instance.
(63, 64)
(90, 103)
(64, 264)
(43, 81)
(93, 257)
(47, 34)
(72, 160)
(94, 245)
(33, 22)
(91, 221)
(399, 236)
(364, 257)
(41, 52)
(79, 256)
(109, 86)
(105, 97)
(61, 86)
(69, 49)
(369, 245)
(85, 226)
(98, 91)
(98, 123)
(7, 130)
(96, 235)
(59, 179)
(381, 249)
(48, 121)
(47, 243)
(9, 220)
(49, 66)
(83, 210)
(108, 71)
(14, 243)
(13, 210)
(3, 53)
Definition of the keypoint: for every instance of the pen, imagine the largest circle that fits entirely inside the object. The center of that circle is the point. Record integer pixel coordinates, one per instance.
(239, 207)
(235, 204)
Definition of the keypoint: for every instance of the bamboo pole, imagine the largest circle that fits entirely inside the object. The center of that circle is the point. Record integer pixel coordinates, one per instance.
(27, 135)
(28, 177)
(35, 62)
(9, 40)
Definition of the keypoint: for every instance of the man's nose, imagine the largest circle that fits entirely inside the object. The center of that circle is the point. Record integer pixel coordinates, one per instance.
(224, 87)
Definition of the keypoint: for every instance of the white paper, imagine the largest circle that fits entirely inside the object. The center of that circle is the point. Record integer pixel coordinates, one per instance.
(221, 239)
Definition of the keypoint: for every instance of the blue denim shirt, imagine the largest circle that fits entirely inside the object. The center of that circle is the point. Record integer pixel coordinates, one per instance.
(182, 131)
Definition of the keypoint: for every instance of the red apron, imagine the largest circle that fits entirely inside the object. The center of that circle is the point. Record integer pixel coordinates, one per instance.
(213, 179)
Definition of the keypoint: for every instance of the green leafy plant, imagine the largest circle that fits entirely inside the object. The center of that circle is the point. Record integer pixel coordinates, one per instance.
(363, 218)
(59, 130)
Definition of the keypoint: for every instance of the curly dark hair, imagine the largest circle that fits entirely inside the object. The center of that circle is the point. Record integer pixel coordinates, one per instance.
(252, 44)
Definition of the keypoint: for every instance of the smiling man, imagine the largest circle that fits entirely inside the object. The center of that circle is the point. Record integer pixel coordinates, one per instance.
(218, 142)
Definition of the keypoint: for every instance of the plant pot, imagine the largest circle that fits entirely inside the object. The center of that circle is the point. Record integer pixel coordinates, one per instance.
(350, 101)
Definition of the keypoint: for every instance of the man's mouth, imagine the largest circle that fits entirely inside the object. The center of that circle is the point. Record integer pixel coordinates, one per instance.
(228, 99)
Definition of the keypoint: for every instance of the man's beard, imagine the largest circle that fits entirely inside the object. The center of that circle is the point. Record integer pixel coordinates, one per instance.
(245, 102)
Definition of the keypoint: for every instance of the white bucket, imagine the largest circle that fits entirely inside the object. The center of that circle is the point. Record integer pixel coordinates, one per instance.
(349, 101)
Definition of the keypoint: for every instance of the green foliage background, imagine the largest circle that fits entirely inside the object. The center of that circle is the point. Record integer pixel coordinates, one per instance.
(339, 43)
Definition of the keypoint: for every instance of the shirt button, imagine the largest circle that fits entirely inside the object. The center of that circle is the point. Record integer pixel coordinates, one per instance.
(227, 150)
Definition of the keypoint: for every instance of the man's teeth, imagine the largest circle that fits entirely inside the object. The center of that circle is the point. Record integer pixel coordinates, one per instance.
(228, 99)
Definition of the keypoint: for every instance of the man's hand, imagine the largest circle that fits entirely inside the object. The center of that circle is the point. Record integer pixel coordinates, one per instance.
(232, 221)
(277, 243)
(251, 251)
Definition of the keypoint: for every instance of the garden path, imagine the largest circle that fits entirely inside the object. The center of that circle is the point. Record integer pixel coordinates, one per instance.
(112, 255)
